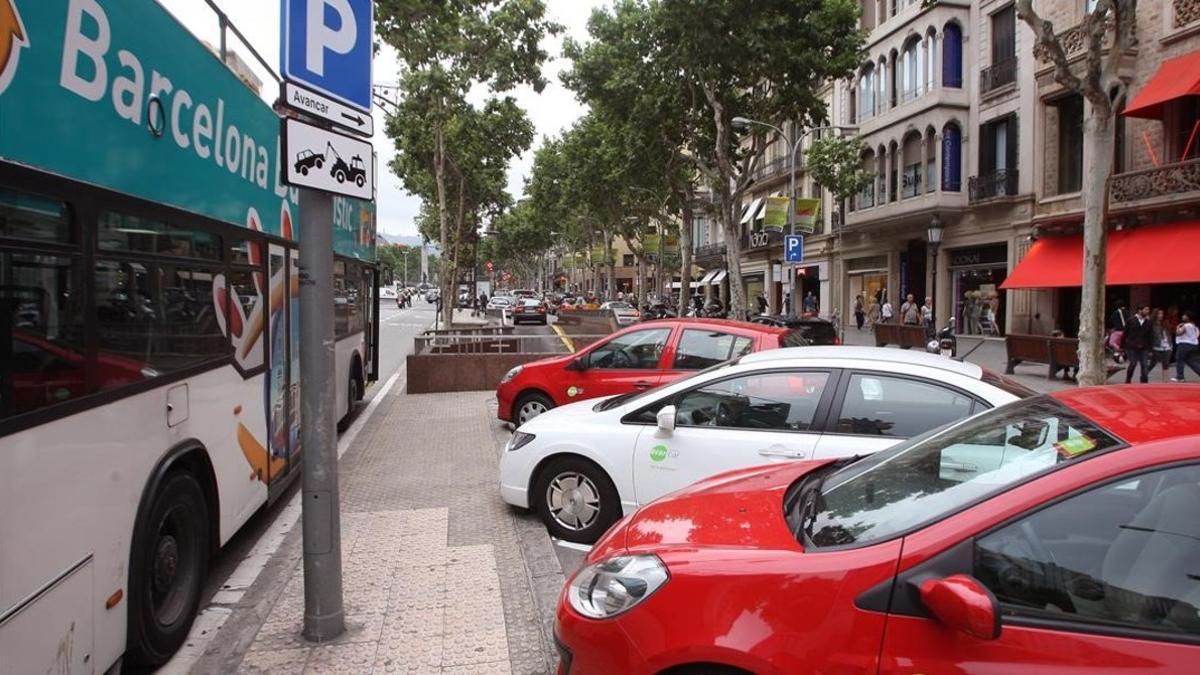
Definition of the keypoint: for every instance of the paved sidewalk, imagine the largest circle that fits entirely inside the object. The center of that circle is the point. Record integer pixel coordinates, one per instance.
(439, 575)
(990, 355)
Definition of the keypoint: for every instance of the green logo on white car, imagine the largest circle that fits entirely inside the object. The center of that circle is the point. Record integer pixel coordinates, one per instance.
(658, 453)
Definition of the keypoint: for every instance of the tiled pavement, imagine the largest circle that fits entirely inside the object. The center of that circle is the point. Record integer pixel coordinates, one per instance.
(439, 575)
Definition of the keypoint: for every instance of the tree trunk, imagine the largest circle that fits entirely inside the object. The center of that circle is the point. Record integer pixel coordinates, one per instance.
(1098, 143)
(685, 257)
(612, 264)
(439, 172)
(641, 287)
(727, 215)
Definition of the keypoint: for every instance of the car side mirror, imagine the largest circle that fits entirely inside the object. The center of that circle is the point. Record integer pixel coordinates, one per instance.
(666, 418)
(962, 603)
(578, 363)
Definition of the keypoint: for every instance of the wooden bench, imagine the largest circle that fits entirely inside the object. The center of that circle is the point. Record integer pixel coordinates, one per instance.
(901, 335)
(1056, 352)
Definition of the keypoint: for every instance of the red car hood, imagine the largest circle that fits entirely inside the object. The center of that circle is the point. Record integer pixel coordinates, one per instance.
(738, 509)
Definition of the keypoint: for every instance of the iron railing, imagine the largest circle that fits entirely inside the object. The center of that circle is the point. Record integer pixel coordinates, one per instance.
(998, 183)
(997, 75)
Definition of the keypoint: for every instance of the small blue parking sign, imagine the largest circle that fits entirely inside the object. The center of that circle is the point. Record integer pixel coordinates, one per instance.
(793, 248)
(326, 46)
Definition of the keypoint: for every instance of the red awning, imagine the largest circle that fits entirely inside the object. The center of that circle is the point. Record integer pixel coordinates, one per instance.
(1160, 254)
(1175, 79)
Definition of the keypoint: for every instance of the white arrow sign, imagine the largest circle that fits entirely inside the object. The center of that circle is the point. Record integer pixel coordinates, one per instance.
(324, 160)
(319, 105)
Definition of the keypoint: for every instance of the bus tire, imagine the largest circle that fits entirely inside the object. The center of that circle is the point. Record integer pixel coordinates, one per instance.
(167, 568)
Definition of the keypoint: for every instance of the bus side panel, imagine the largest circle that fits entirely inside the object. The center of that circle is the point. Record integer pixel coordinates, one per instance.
(82, 477)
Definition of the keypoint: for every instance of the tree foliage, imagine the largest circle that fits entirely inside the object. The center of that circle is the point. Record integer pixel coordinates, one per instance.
(835, 162)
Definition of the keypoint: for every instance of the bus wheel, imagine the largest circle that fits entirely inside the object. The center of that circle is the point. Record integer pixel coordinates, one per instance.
(167, 569)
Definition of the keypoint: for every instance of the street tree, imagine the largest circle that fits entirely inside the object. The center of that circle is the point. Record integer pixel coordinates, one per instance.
(762, 60)
(835, 162)
(1110, 30)
(617, 75)
(447, 49)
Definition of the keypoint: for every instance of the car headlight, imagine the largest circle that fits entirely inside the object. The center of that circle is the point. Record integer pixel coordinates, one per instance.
(515, 371)
(519, 440)
(615, 585)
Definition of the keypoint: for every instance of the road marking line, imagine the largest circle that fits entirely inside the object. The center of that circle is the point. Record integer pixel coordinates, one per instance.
(209, 621)
(567, 341)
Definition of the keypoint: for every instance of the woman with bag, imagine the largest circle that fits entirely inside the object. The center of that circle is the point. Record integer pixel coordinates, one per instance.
(1116, 332)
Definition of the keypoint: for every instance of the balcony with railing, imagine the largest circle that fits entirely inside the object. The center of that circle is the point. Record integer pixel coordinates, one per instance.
(993, 185)
(997, 75)
(772, 168)
(1168, 185)
(709, 254)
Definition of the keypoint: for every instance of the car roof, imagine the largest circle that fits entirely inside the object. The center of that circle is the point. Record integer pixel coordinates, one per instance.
(1139, 413)
(718, 323)
(871, 355)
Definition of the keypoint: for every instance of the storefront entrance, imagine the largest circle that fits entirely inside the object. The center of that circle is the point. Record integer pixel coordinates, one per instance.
(976, 274)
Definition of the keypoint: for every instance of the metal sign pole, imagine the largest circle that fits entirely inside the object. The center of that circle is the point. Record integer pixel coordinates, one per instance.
(324, 616)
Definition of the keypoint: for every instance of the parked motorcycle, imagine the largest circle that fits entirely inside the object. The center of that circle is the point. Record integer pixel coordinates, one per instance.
(944, 342)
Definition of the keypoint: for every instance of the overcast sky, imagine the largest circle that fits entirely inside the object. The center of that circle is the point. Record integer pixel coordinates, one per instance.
(551, 111)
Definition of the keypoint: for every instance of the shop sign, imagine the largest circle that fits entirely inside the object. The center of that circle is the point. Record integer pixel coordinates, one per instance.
(979, 255)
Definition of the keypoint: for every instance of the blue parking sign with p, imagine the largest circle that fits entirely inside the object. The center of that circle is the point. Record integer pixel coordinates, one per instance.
(793, 248)
(326, 46)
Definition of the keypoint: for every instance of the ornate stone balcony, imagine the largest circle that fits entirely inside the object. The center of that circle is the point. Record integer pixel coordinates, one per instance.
(997, 75)
(994, 185)
(709, 255)
(1167, 185)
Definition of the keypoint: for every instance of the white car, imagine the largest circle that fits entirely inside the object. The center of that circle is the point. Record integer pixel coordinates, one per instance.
(625, 313)
(582, 465)
(500, 302)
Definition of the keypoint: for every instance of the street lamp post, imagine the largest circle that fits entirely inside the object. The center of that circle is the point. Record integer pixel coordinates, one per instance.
(934, 236)
(746, 123)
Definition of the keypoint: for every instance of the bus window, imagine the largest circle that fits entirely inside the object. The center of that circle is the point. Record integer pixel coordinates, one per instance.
(161, 316)
(124, 232)
(341, 301)
(26, 216)
(41, 314)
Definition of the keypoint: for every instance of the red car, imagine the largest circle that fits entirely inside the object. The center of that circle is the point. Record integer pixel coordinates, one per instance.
(1058, 534)
(638, 357)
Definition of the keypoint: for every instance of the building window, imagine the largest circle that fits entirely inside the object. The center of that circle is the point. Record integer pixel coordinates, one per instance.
(930, 160)
(1070, 144)
(952, 56)
(882, 77)
(910, 181)
(866, 93)
(1004, 35)
(997, 159)
(951, 158)
(927, 53)
(910, 77)
(1187, 129)
(866, 199)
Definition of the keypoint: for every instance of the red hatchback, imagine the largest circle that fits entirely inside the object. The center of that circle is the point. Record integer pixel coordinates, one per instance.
(639, 357)
(1056, 534)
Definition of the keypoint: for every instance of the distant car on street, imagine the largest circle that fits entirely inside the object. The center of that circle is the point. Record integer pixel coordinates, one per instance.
(624, 312)
(633, 359)
(432, 295)
(816, 331)
(527, 310)
(775, 406)
(500, 302)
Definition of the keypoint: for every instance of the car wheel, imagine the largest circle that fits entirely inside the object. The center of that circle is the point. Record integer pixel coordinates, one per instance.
(576, 500)
(530, 406)
(169, 560)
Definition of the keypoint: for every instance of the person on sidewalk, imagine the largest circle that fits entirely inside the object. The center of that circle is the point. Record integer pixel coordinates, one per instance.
(1161, 345)
(1187, 341)
(910, 312)
(860, 314)
(886, 312)
(1138, 339)
(927, 313)
(1116, 330)
(873, 313)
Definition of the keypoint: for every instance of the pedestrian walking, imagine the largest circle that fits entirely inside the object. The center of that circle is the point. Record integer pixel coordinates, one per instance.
(873, 313)
(910, 311)
(886, 312)
(1187, 341)
(1137, 341)
(761, 301)
(810, 304)
(1116, 330)
(927, 313)
(1162, 342)
(859, 315)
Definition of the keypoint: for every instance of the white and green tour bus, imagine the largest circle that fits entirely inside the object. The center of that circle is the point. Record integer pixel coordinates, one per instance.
(149, 341)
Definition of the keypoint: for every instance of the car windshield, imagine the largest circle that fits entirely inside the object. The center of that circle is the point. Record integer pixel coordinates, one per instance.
(930, 477)
(635, 396)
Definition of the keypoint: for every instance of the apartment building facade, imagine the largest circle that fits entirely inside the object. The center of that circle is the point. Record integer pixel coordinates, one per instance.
(965, 129)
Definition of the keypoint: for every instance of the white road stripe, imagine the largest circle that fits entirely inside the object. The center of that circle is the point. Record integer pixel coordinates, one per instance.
(209, 621)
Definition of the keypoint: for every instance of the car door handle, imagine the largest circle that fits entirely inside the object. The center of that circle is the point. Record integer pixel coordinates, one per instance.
(780, 452)
(641, 384)
(959, 466)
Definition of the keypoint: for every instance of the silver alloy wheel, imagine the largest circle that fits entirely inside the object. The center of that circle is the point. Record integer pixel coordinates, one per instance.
(573, 500)
(529, 410)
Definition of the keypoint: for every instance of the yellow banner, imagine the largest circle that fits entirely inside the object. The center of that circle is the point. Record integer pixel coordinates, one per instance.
(807, 213)
(776, 215)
